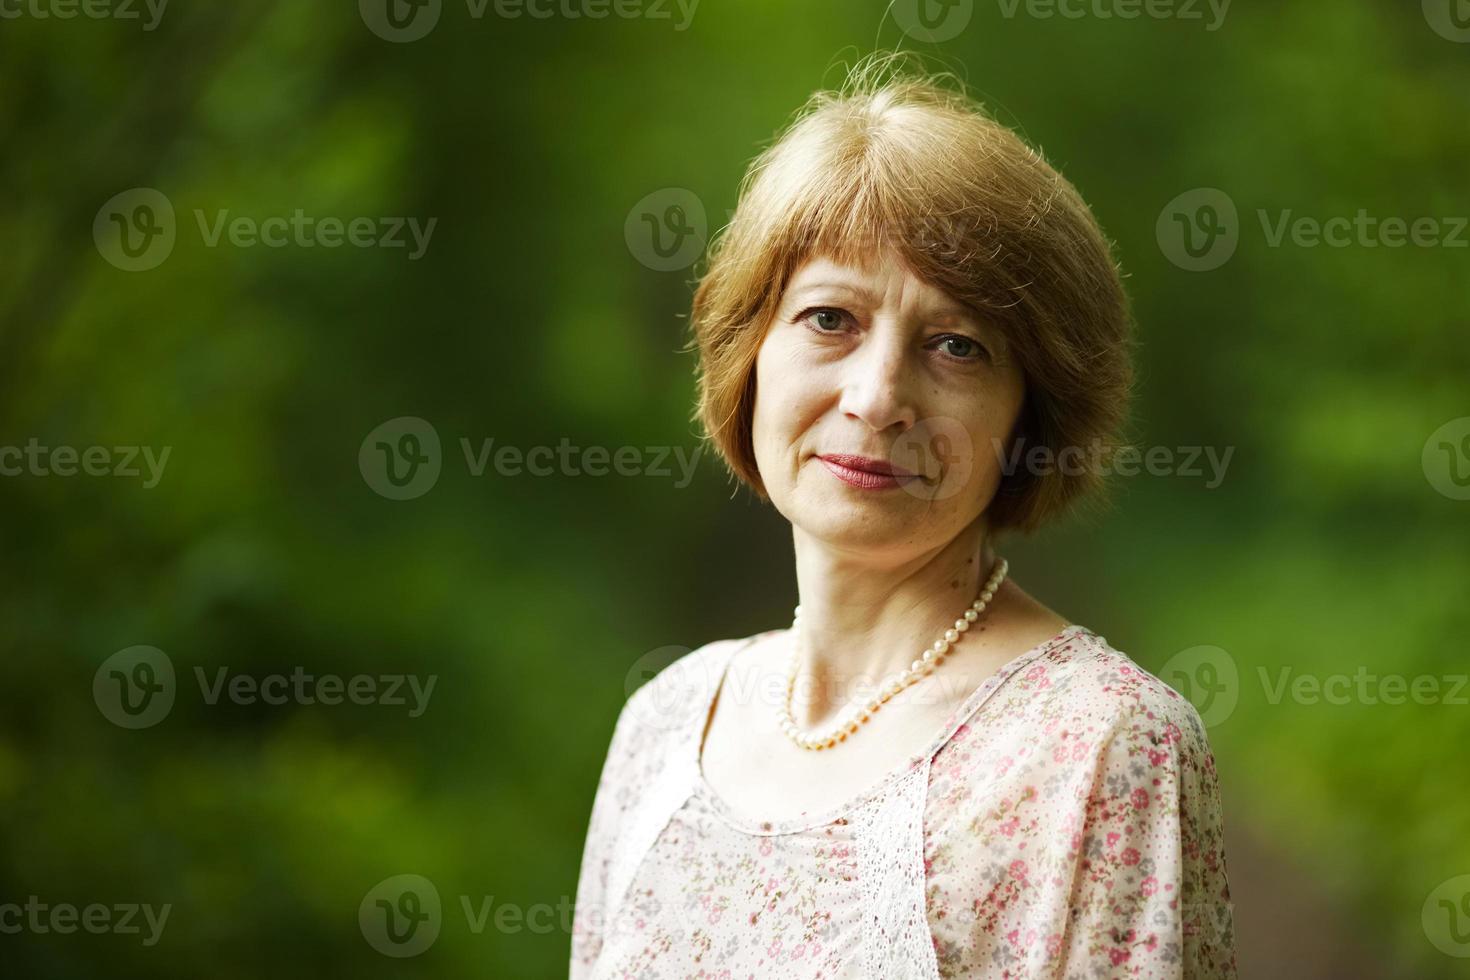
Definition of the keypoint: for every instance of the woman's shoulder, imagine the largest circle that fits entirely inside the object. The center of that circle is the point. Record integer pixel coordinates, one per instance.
(1080, 719)
(1078, 696)
(1106, 686)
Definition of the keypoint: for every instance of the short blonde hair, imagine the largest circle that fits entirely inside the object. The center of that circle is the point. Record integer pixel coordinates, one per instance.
(898, 159)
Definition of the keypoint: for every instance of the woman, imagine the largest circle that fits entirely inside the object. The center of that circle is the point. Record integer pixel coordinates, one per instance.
(911, 337)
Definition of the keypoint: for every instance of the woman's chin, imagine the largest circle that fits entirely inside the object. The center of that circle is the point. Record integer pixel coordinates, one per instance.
(871, 523)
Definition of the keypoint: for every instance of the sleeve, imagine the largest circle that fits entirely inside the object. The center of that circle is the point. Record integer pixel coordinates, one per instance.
(608, 806)
(1151, 900)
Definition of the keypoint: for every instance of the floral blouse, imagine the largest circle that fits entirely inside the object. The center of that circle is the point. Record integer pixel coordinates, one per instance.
(1063, 824)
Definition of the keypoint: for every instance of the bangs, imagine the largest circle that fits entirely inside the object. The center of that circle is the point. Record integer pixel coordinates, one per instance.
(849, 217)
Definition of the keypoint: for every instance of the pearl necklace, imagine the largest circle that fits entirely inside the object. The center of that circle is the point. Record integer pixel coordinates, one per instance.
(854, 715)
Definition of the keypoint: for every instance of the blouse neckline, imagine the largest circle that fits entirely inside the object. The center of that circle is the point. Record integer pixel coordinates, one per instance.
(766, 828)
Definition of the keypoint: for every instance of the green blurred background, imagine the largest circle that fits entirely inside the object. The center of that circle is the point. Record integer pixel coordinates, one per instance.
(1336, 542)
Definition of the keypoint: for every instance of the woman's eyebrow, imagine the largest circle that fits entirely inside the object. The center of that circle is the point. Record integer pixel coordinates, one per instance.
(833, 284)
(948, 311)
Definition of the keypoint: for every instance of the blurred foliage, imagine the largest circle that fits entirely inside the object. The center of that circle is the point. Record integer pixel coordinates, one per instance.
(529, 321)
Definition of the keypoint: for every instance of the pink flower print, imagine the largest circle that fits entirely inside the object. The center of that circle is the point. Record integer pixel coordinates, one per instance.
(1079, 751)
(1157, 758)
(1018, 871)
(1149, 885)
(771, 884)
(1053, 945)
(1171, 734)
(1140, 798)
(1117, 955)
(797, 953)
(1004, 765)
(774, 950)
(765, 847)
(1113, 839)
(1130, 856)
(1009, 827)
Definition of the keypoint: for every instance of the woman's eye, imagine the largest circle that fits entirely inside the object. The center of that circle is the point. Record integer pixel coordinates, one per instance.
(826, 320)
(962, 348)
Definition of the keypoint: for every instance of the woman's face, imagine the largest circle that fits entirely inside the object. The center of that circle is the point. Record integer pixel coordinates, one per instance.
(880, 404)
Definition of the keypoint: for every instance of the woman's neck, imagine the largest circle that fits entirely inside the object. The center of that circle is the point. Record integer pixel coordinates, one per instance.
(863, 621)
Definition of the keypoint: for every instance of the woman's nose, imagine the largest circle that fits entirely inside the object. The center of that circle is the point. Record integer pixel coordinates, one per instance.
(877, 384)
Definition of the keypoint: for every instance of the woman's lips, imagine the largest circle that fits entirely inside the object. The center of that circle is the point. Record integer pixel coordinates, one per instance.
(866, 474)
